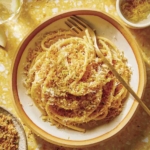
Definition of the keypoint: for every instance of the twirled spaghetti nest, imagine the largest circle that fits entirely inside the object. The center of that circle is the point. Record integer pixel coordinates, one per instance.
(70, 84)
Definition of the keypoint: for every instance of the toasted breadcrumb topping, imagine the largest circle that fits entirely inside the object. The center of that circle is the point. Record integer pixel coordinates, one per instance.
(9, 138)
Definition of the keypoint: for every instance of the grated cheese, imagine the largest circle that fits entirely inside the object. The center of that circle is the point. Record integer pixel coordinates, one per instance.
(135, 10)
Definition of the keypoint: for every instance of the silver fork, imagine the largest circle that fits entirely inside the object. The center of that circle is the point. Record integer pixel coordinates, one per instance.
(78, 27)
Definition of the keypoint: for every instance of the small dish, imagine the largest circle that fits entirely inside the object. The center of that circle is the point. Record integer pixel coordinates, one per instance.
(19, 128)
(141, 24)
(106, 26)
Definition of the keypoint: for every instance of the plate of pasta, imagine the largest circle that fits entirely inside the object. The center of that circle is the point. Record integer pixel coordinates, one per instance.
(64, 92)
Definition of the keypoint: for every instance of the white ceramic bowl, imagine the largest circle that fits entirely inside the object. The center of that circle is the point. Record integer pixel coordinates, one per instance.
(105, 26)
(141, 24)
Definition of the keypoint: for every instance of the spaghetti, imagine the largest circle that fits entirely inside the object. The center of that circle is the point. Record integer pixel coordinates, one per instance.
(70, 84)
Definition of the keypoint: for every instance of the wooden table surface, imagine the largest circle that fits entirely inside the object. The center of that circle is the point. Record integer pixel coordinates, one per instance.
(136, 135)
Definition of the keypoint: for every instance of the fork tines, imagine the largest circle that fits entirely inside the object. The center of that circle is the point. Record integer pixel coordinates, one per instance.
(76, 24)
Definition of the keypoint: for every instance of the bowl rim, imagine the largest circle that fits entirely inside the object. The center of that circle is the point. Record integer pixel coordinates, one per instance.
(126, 21)
(71, 143)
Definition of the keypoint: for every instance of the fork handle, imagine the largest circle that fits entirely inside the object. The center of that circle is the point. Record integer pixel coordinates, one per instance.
(122, 81)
